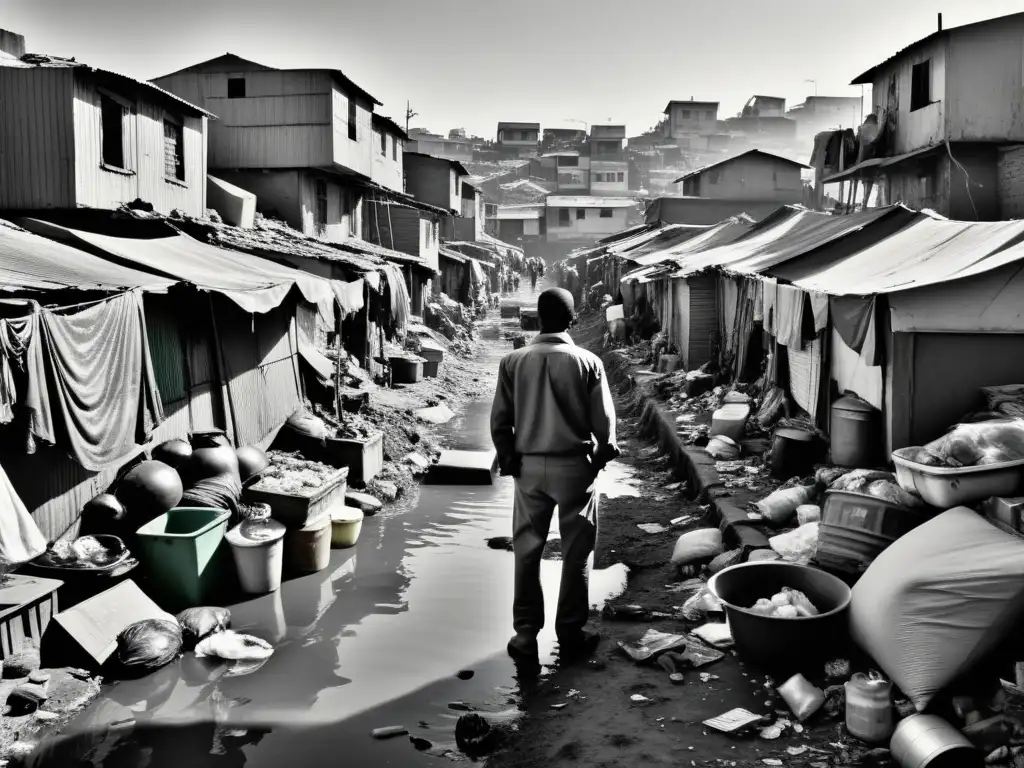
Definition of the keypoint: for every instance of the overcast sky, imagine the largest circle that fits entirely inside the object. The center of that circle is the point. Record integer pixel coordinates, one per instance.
(470, 64)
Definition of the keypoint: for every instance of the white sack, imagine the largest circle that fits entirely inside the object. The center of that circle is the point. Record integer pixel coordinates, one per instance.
(938, 600)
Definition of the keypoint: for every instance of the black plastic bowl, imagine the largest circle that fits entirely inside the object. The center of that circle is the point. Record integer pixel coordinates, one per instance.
(789, 645)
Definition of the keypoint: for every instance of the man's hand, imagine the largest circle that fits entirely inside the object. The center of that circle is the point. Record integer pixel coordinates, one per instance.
(511, 467)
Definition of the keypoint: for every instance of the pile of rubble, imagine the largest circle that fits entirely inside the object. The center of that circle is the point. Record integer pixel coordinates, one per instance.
(452, 320)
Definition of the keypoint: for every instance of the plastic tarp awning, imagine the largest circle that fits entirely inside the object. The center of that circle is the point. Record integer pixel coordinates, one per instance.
(707, 238)
(817, 232)
(927, 252)
(659, 248)
(31, 262)
(759, 239)
(255, 284)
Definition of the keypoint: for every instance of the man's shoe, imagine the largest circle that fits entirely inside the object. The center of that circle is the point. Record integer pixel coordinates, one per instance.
(578, 646)
(523, 648)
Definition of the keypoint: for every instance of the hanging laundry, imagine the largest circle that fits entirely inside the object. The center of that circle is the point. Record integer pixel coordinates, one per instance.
(20, 537)
(104, 400)
(789, 316)
(819, 307)
(400, 303)
(14, 337)
(769, 297)
(349, 295)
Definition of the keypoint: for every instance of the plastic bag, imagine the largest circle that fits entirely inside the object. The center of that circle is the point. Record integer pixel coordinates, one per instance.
(147, 645)
(233, 646)
(957, 575)
(694, 546)
(199, 623)
(700, 604)
(797, 546)
(780, 506)
(1007, 399)
(803, 698)
(979, 444)
(723, 448)
(220, 492)
(305, 423)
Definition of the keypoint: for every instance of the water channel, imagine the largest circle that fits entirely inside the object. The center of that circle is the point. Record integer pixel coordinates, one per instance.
(376, 639)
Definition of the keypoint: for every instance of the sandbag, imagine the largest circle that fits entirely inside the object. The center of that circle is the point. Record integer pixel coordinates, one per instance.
(779, 506)
(695, 546)
(147, 645)
(305, 423)
(938, 600)
(199, 623)
(797, 546)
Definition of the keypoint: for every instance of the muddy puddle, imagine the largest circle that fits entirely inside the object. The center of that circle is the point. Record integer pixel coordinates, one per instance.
(376, 639)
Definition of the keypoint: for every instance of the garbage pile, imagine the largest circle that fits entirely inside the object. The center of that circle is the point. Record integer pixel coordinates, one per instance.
(451, 319)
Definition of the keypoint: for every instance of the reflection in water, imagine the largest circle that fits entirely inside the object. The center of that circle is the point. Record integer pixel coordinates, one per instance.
(375, 639)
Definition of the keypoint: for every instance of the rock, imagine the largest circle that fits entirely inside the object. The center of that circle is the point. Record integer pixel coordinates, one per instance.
(39, 677)
(459, 706)
(839, 669)
(44, 716)
(421, 744)
(21, 664)
(388, 731)
(388, 489)
(473, 734)
(26, 699)
(439, 414)
(724, 560)
(364, 501)
(464, 674)
(417, 460)
(500, 542)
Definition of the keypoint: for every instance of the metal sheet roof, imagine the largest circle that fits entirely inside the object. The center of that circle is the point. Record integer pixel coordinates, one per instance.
(770, 155)
(659, 247)
(38, 60)
(720, 234)
(33, 263)
(930, 251)
(256, 284)
(581, 201)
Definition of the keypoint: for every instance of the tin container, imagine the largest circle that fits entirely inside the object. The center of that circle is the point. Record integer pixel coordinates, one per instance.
(927, 741)
(869, 708)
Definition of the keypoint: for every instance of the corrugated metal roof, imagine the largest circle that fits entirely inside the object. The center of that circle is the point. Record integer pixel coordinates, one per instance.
(34, 60)
(720, 234)
(448, 253)
(565, 201)
(256, 284)
(699, 171)
(930, 251)
(389, 124)
(869, 168)
(33, 263)
(337, 74)
(528, 126)
(868, 76)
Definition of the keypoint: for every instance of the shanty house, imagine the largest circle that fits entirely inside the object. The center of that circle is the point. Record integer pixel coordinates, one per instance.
(75, 136)
(752, 175)
(435, 180)
(946, 104)
(451, 147)
(301, 140)
(388, 148)
(688, 118)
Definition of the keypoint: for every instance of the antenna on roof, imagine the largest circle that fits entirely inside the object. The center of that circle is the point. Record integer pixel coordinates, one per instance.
(940, 22)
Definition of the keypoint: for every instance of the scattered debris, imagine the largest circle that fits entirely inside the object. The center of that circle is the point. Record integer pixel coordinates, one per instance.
(733, 720)
(388, 732)
(652, 527)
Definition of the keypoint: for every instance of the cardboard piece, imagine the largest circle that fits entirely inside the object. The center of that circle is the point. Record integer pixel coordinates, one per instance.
(732, 721)
(89, 630)
(463, 468)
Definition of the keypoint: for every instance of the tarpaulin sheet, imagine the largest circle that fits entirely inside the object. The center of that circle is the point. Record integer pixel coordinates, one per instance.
(811, 233)
(103, 400)
(31, 262)
(927, 252)
(256, 284)
(720, 235)
(349, 295)
(659, 249)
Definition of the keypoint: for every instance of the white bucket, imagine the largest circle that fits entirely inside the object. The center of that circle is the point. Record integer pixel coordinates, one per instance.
(258, 549)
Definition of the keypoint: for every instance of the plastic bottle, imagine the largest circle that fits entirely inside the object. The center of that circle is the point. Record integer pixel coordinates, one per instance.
(869, 708)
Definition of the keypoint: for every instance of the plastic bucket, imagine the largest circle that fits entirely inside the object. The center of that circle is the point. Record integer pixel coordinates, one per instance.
(258, 550)
(927, 741)
(346, 524)
(179, 550)
(784, 645)
(308, 549)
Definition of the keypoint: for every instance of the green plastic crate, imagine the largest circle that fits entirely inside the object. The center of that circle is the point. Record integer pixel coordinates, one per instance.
(181, 553)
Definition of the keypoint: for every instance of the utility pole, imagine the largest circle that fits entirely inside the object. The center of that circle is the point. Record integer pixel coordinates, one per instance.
(409, 115)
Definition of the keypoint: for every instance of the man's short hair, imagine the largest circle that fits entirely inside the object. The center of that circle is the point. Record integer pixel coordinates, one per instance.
(555, 309)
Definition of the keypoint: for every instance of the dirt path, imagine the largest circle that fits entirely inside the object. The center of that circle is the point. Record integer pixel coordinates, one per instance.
(601, 726)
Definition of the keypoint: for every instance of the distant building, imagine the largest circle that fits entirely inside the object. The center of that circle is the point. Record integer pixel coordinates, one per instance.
(609, 169)
(752, 175)
(559, 139)
(764, 106)
(585, 217)
(72, 136)
(826, 113)
(569, 170)
(518, 139)
(455, 148)
(689, 121)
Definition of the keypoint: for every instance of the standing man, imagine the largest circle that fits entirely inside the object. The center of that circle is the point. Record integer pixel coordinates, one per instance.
(533, 275)
(553, 427)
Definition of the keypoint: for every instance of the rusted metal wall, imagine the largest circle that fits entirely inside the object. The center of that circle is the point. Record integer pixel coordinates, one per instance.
(143, 175)
(37, 148)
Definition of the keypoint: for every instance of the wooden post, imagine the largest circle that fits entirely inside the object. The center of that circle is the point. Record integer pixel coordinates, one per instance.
(232, 428)
(338, 409)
